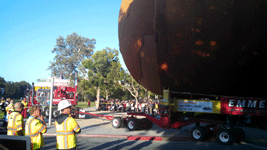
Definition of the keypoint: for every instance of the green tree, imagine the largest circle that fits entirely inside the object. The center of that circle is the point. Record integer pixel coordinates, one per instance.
(132, 86)
(16, 89)
(86, 90)
(21, 87)
(10, 90)
(2, 86)
(104, 70)
(70, 52)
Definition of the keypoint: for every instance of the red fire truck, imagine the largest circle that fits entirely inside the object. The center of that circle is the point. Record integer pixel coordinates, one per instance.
(61, 91)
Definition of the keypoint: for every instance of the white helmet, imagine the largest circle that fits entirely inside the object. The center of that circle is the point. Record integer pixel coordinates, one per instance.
(63, 104)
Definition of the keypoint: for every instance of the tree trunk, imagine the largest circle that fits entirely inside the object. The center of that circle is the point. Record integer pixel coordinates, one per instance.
(97, 97)
(106, 94)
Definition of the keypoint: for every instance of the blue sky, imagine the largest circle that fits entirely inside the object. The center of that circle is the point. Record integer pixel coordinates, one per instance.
(29, 30)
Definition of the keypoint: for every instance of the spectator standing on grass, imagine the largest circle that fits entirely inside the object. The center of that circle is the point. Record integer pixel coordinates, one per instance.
(35, 127)
(25, 108)
(150, 106)
(132, 106)
(136, 107)
(143, 107)
(7, 101)
(156, 107)
(3, 106)
(15, 125)
(66, 127)
(89, 103)
(128, 106)
(140, 106)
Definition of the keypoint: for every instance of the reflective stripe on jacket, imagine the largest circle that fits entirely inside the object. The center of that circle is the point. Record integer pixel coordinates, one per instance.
(15, 123)
(25, 104)
(34, 129)
(66, 138)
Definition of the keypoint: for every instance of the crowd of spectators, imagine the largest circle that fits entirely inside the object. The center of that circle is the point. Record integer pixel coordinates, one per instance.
(150, 106)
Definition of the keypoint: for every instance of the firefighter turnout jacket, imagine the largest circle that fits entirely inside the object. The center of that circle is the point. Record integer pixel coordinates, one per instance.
(66, 127)
(34, 129)
(15, 123)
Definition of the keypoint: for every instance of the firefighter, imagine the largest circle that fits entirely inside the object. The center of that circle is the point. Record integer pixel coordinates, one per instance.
(15, 121)
(25, 108)
(35, 127)
(66, 127)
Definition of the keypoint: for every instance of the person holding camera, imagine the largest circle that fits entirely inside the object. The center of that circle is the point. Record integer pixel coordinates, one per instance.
(35, 127)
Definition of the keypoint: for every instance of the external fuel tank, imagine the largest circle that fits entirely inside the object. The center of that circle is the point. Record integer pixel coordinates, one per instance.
(199, 46)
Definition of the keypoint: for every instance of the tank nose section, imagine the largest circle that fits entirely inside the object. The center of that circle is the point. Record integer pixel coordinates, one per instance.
(208, 47)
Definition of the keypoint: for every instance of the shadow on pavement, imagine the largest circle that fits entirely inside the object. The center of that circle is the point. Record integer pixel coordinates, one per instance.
(94, 126)
(106, 145)
(141, 145)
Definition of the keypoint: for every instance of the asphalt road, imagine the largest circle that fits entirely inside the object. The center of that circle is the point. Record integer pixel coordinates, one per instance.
(95, 129)
(100, 127)
(85, 143)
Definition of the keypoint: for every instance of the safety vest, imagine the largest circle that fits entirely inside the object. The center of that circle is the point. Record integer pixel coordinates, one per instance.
(15, 123)
(66, 138)
(34, 129)
(25, 103)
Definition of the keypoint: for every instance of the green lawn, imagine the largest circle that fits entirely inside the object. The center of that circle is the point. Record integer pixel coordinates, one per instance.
(85, 104)
(1, 115)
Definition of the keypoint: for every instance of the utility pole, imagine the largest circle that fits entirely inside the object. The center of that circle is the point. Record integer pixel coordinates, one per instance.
(51, 101)
(33, 90)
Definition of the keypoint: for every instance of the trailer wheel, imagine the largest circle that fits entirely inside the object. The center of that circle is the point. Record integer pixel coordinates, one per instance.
(225, 136)
(54, 113)
(239, 134)
(46, 112)
(77, 109)
(132, 124)
(199, 133)
(146, 123)
(116, 122)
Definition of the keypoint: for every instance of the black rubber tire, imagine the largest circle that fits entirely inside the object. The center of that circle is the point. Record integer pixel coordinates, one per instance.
(77, 109)
(46, 112)
(239, 134)
(133, 124)
(199, 133)
(146, 123)
(226, 136)
(55, 113)
(117, 122)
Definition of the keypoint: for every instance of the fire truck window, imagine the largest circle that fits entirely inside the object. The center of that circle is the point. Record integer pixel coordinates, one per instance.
(71, 94)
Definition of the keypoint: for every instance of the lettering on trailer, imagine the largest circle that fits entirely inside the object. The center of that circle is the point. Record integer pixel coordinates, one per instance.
(236, 106)
(247, 103)
(195, 106)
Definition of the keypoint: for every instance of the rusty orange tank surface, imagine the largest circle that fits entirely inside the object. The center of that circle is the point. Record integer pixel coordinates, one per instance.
(198, 46)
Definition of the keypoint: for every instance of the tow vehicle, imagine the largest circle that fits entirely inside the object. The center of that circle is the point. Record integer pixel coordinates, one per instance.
(61, 91)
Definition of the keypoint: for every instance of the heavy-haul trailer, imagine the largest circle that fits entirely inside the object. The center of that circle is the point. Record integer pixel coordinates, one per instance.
(219, 113)
(205, 47)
